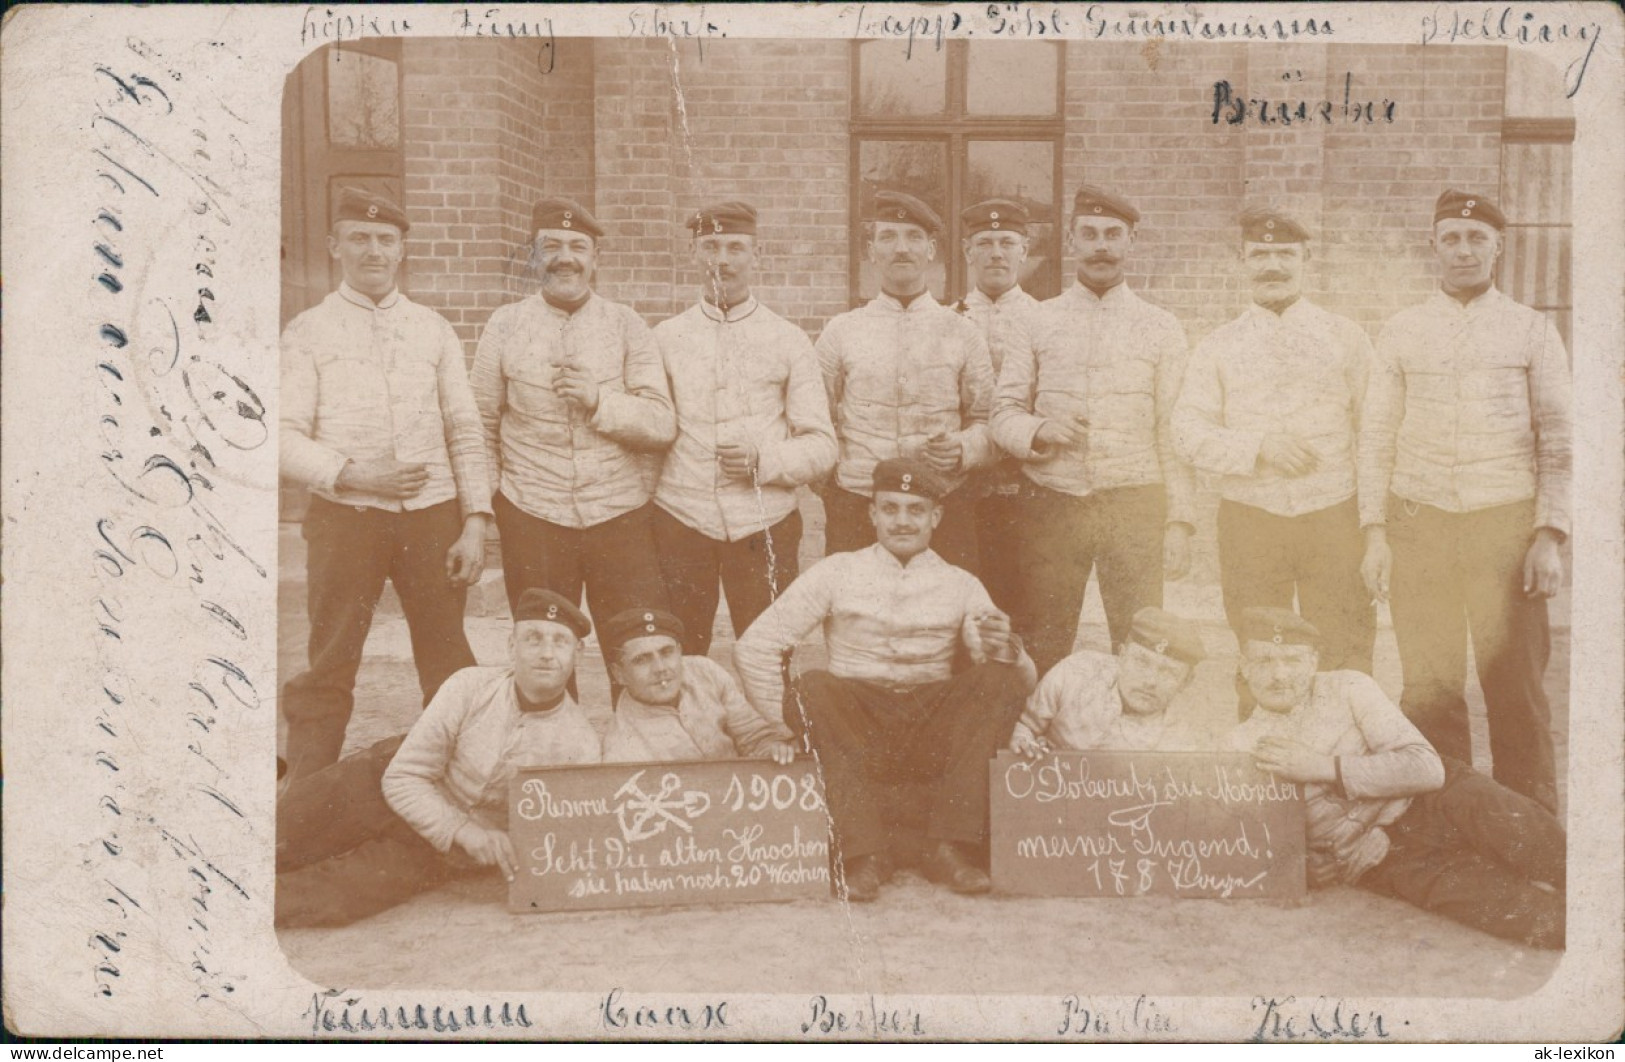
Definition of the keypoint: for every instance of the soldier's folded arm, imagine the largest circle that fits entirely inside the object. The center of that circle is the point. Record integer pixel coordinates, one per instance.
(976, 386)
(810, 452)
(796, 613)
(1012, 422)
(1201, 436)
(643, 416)
(413, 783)
(303, 459)
(1401, 762)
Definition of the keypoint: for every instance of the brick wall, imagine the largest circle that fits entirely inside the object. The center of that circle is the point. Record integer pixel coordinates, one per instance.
(764, 121)
(484, 130)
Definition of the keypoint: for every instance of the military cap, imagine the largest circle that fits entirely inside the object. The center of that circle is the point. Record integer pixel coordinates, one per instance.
(899, 206)
(557, 212)
(1092, 202)
(718, 218)
(639, 623)
(356, 205)
(1168, 634)
(1279, 625)
(1271, 226)
(1454, 204)
(905, 475)
(1005, 215)
(537, 604)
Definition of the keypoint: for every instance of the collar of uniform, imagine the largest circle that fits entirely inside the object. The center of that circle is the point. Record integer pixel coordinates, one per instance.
(1299, 311)
(592, 296)
(978, 297)
(732, 313)
(628, 702)
(1489, 298)
(924, 301)
(350, 295)
(885, 556)
(1118, 293)
(529, 710)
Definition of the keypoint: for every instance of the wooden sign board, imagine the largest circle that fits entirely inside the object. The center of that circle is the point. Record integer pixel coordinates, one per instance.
(666, 834)
(1189, 824)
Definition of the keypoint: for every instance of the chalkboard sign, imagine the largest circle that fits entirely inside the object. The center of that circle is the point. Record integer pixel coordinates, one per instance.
(664, 834)
(1144, 823)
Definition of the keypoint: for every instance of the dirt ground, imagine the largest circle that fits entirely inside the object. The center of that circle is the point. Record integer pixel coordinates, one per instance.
(918, 938)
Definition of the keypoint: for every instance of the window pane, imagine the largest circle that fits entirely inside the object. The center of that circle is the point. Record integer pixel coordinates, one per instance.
(1023, 170)
(363, 101)
(892, 81)
(1011, 77)
(918, 167)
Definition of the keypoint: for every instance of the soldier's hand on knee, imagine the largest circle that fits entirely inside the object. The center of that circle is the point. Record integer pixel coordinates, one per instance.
(383, 476)
(1029, 746)
(1543, 565)
(1377, 566)
(781, 752)
(465, 560)
(1176, 551)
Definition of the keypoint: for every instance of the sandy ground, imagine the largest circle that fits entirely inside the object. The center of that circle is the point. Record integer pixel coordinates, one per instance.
(918, 938)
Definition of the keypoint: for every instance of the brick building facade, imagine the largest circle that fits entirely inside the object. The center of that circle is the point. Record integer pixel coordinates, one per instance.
(643, 131)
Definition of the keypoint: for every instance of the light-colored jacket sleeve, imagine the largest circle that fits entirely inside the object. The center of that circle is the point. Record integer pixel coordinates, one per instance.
(832, 368)
(414, 782)
(1400, 763)
(489, 386)
(1380, 414)
(304, 460)
(795, 614)
(1042, 705)
(809, 453)
(460, 416)
(1201, 436)
(752, 733)
(1361, 361)
(643, 416)
(1551, 405)
(975, 399)
(1177, 477)
(1013, 422)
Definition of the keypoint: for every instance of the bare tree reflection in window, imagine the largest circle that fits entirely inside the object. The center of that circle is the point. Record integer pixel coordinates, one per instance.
(363, 101)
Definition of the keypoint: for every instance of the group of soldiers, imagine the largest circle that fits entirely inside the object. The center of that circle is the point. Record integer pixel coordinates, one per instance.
(975, 462)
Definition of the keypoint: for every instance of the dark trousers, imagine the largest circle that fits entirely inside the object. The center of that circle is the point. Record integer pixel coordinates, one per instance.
(614, 562)
(1452, 572)
(1265, 558)
(1117, 533)
(753, 571)
(351, 551)
(866, 735)
(847, 526)
(342, 854)
(998, 523)
(1472, 852)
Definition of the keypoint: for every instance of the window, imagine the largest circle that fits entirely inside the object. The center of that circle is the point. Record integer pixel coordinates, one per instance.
(975, 120)
(1537, 148)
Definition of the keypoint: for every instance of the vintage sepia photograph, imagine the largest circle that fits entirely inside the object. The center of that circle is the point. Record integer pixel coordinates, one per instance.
(896, 522)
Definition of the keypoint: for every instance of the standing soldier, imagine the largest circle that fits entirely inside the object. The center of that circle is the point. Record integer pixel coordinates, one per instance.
(906, 377)
(1465, 461)
(569, 386)
(377, 420)
(1084, 400)
(752, 425)
(995, 248)
(1271, 405)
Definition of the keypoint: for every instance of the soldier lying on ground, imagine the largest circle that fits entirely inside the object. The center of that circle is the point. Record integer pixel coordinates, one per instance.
(406, 815)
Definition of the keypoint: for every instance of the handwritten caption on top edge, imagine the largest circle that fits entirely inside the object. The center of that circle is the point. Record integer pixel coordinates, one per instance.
(176, 409)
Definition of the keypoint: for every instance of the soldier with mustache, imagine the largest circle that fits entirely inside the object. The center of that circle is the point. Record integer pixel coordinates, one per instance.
(570, 388)
(1084, 399)
(1271, 406)
(907, 377)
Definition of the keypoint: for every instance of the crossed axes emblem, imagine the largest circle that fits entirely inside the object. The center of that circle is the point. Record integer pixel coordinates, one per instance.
(651, 814)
